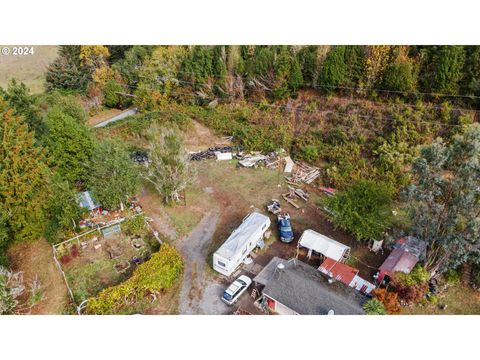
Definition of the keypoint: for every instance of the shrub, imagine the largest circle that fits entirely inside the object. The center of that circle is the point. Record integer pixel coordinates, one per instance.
(112, 98)
(156, 275)
(134, 225)
(65, 259)
(452, 276)
(374, 307)
(417, 276)
(74, 251)
(364, 209)
(310, 153)
(389, 300)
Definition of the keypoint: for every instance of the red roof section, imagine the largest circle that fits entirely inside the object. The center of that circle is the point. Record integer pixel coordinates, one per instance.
(338, 270)
(399, 260)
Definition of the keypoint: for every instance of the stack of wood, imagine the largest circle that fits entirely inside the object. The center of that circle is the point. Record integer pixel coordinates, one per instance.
(303, 172)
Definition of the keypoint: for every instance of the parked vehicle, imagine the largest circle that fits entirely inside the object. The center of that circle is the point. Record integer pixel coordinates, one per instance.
(285, 228)
(236, 289)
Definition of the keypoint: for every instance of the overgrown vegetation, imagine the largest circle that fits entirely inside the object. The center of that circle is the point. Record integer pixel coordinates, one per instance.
(150, 278)
(363, 209)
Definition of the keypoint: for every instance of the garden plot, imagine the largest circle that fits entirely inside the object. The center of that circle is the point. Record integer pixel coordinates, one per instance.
(94, 261)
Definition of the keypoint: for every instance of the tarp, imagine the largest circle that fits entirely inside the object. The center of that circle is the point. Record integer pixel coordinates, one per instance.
(323, 245)
(87, 201)
(288, 164)
(251, 229)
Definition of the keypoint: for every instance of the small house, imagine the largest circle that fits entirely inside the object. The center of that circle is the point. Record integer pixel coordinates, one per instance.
(240, 243)
(323, 245)
(346, 274)
(291, 287)
(406, 252)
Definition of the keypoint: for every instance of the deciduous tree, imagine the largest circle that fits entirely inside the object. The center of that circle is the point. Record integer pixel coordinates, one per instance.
(169, 171)
(113, 175)
(364, 209)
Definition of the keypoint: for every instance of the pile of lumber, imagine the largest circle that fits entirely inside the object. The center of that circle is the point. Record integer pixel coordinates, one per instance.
(293, 193)
(303, 172)
(210, 153)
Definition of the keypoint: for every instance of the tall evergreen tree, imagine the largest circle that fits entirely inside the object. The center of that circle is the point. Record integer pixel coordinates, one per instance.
(471, 80)
(19, 98)
(23, 178)
(445, 71)
(69, 144)
(334, 70)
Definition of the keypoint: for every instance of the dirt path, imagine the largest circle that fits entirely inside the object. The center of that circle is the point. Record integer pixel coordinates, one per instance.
(36, 259)
(161, 222)
(193, 298)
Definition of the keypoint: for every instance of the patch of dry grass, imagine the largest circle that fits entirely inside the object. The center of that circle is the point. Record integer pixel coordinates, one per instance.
(29, 69)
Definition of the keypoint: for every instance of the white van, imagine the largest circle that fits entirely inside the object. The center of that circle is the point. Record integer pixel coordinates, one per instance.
(240, 243)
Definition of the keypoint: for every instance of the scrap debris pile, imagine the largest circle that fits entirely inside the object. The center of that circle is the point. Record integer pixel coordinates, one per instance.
(294, 193)
(210, 153)
(274, 207)
(271, 160)
(303, 172)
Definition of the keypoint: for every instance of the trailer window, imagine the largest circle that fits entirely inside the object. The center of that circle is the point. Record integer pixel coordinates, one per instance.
(221, 264)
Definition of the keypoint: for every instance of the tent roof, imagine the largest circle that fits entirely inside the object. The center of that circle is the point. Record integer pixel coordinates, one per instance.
(399, 260)
(338, 270)
(323, 244)
(242, 235)
(305, 290)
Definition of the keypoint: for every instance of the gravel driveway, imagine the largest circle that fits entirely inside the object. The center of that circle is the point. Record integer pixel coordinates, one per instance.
(196, 296)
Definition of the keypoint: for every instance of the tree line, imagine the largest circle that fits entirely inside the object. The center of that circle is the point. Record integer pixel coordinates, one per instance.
(200, 73)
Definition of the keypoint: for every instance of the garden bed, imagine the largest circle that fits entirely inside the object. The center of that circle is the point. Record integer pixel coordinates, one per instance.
(95, 262)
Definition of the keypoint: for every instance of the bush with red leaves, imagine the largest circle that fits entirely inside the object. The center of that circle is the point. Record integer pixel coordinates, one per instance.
(65, 259)
(74, 251)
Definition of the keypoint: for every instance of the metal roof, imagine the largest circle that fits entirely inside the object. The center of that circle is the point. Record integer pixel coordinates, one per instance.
(338, 271)
(306, 291)
(399, 260)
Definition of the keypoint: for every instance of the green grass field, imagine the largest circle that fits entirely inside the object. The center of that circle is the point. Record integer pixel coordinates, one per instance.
(27, 68)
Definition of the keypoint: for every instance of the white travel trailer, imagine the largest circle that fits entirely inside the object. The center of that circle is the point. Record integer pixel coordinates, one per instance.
(240, 243)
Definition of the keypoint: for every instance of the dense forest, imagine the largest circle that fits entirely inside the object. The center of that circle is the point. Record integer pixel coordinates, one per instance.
(364, 114)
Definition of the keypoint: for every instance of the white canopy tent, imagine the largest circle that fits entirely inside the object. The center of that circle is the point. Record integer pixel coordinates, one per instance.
(324, 245)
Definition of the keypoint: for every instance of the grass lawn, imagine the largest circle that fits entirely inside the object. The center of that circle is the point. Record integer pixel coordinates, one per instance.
(460, 300)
